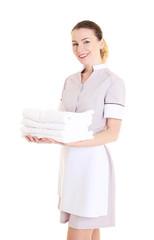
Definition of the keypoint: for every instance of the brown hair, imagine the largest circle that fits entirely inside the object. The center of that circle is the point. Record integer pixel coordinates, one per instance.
(98, 33)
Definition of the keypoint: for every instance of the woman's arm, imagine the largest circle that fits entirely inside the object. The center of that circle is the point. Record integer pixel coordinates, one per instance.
(110, 134)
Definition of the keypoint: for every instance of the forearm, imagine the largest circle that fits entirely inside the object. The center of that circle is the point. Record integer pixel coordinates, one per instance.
(104, 137)
(101, 138)
(109, 134)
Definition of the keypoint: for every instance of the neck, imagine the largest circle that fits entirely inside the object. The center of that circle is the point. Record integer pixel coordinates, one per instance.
(89, 67)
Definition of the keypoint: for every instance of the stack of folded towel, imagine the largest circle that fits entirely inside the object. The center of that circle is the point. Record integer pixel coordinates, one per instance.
(61, 126)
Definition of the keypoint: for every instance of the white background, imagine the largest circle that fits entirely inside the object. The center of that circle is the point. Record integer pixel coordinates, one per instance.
(35, 59)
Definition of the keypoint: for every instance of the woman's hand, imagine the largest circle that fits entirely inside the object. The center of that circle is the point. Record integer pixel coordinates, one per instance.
(35, 139)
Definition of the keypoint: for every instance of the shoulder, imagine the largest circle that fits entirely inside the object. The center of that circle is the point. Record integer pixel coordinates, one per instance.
(74, 74)
(114, 78)
(73, 78)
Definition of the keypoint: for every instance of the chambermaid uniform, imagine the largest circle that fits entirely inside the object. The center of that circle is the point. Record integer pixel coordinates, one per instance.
(86, 184)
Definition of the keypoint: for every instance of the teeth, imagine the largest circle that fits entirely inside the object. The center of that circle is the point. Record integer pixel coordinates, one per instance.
(83, 55)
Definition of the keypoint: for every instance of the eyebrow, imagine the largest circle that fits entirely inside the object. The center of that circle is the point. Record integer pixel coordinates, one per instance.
(81, 39)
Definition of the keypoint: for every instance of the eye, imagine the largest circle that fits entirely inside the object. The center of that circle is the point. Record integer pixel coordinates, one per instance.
(86, 42)
(75, 44)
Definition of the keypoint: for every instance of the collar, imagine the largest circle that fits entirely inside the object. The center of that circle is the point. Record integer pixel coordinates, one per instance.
(97, 67)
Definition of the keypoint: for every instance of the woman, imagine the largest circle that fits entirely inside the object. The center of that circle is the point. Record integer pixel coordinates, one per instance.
(86, 177)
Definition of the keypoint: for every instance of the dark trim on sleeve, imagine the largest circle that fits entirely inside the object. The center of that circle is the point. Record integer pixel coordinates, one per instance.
(116, 104)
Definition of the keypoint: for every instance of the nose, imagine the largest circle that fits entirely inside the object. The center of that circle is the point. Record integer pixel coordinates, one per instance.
(80, 48)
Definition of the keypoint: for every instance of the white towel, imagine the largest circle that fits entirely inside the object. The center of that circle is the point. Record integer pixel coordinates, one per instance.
(65, 139)
(48, 116)
(55, 133)
(61, 126)
(58, 126)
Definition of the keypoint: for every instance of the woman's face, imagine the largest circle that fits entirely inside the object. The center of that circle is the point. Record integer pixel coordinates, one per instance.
(86, 46)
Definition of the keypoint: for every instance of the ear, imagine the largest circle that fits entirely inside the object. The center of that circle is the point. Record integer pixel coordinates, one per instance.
(101, 43)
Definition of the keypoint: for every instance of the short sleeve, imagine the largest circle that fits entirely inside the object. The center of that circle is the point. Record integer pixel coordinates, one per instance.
(114, 103)
(60, 105)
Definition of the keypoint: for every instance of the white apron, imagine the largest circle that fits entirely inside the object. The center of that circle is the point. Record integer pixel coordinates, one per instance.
(83, 180)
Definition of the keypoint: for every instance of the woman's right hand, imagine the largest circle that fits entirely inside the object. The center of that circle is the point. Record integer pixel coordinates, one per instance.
(30, 138)
(35, 139)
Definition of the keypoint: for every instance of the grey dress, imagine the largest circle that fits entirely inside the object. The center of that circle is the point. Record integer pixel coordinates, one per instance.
(86, 184)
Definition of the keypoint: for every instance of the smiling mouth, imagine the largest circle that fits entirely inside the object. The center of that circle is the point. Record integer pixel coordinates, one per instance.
(83, 55)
